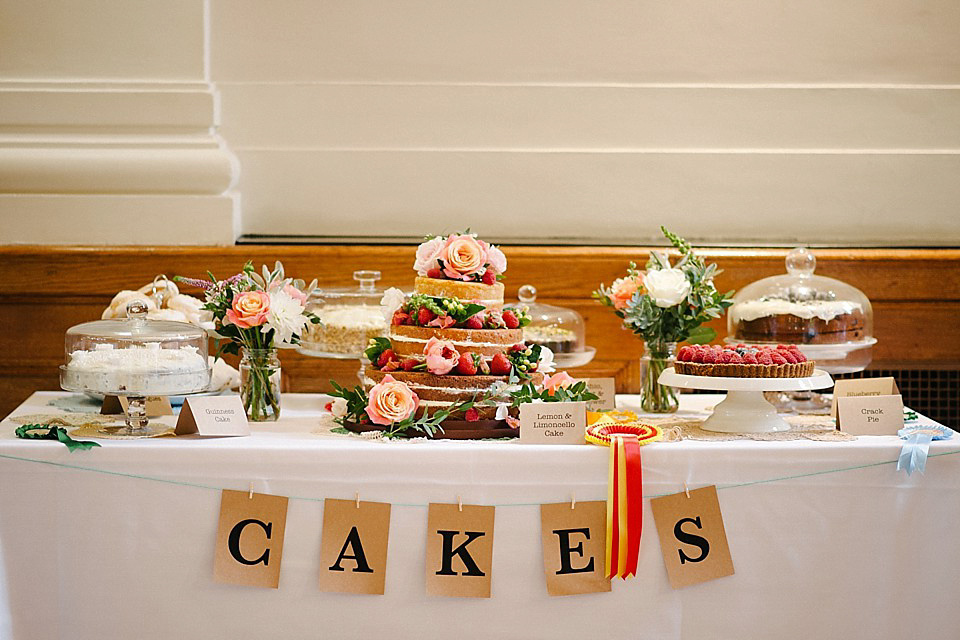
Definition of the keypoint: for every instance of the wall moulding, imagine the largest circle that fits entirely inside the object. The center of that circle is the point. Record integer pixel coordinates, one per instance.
(104, 154)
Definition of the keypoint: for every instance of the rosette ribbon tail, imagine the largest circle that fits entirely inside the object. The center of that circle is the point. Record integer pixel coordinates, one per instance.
(624, 507)
(913, 455)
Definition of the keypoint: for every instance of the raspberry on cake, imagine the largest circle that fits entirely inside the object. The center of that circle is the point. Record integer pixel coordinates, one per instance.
(741, 361)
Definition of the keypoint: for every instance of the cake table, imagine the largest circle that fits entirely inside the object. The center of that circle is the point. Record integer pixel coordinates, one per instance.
(745, 410)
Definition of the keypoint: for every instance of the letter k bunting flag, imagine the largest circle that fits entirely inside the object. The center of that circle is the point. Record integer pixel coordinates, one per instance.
(459, 550)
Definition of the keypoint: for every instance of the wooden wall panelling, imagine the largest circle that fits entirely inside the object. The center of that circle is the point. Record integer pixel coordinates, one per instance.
(45, 290)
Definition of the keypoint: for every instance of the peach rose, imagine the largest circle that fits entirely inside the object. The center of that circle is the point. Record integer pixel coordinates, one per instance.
(622, 290)
(560, 380)
(391, 401)
(249, 309)
(463, 257)
(442, 356)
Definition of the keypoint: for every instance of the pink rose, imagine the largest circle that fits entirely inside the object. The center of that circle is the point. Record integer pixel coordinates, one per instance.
(560, 380)
(442, 356)
(391, 401)
(249, 309)
(463, 257)
(295, 293)
(622, 290)
(496, 259)
(427, 255)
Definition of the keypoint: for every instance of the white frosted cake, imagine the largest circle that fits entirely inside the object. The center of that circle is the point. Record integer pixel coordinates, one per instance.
(137, 370)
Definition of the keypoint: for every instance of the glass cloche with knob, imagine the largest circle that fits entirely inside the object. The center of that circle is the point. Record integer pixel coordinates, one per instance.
(349, 318)
(558, 328)
(135, 357)
(830, 320)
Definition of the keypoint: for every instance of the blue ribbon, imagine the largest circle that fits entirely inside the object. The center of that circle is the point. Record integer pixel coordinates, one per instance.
(913, 455)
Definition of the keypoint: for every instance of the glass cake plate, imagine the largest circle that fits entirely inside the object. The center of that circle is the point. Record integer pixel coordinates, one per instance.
(745, 410)
(134, 358)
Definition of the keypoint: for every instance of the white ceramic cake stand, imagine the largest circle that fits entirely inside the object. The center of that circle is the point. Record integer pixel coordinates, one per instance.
(745, 410)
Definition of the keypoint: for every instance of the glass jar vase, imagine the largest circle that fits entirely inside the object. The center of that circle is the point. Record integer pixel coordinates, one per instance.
(655, 397)
(260, 384)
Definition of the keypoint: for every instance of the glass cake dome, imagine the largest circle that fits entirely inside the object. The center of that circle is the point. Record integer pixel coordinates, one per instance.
(558, 328)
(830, 320)
(133, 358)
(349, 318)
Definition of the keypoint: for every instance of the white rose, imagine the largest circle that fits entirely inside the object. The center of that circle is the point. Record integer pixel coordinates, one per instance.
(338, 408)
(391, 301)
(546, 361)
(667, 287)
(427, 254)
(496, 259)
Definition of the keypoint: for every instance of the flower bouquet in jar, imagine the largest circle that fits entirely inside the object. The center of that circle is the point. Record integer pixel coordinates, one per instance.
(254, 315)
(666, 304)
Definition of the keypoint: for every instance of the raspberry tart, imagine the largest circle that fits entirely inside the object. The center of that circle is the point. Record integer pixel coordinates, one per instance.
(741, 361)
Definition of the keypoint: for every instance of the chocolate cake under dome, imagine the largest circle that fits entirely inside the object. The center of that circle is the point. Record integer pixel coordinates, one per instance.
(453, 339)
(831, 321)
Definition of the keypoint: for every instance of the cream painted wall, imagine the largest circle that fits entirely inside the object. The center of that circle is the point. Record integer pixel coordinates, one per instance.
(108, 125)
(734, 121)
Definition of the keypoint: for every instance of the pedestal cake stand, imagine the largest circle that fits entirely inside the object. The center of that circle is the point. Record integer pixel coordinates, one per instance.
(745, 410)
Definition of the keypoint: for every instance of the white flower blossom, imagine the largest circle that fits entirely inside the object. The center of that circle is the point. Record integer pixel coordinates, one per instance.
(338, 407)
(546, 361)
(391, 302)
(285, 317)
(667, 287)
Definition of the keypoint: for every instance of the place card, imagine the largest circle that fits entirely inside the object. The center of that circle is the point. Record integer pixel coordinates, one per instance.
(553, 423)
(155, 406)
(353, 546)
(574, 535)
(213, 416)
(692, 537)
(862, 387)
(605, 388)
(250, 539)
(870, 415)
(459, 550)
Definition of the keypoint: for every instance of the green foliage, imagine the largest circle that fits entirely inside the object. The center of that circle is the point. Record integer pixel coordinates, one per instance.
(576, 392)
(458, 310)
(376, 347)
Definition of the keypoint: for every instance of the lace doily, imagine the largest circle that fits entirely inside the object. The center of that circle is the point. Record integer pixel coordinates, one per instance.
(105, 433)
(65, 419)
(819, 428)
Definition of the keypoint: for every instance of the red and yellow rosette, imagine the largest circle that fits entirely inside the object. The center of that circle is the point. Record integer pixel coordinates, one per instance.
(624, 490)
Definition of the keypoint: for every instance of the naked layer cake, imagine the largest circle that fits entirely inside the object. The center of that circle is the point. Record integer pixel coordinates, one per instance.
(741, 361)
(453, 338)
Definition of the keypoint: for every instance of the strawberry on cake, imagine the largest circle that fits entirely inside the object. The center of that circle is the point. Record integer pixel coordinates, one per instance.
(453, 338)
(742, 361)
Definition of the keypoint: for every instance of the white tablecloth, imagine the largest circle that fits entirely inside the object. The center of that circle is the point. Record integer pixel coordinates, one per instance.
(117, 542)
